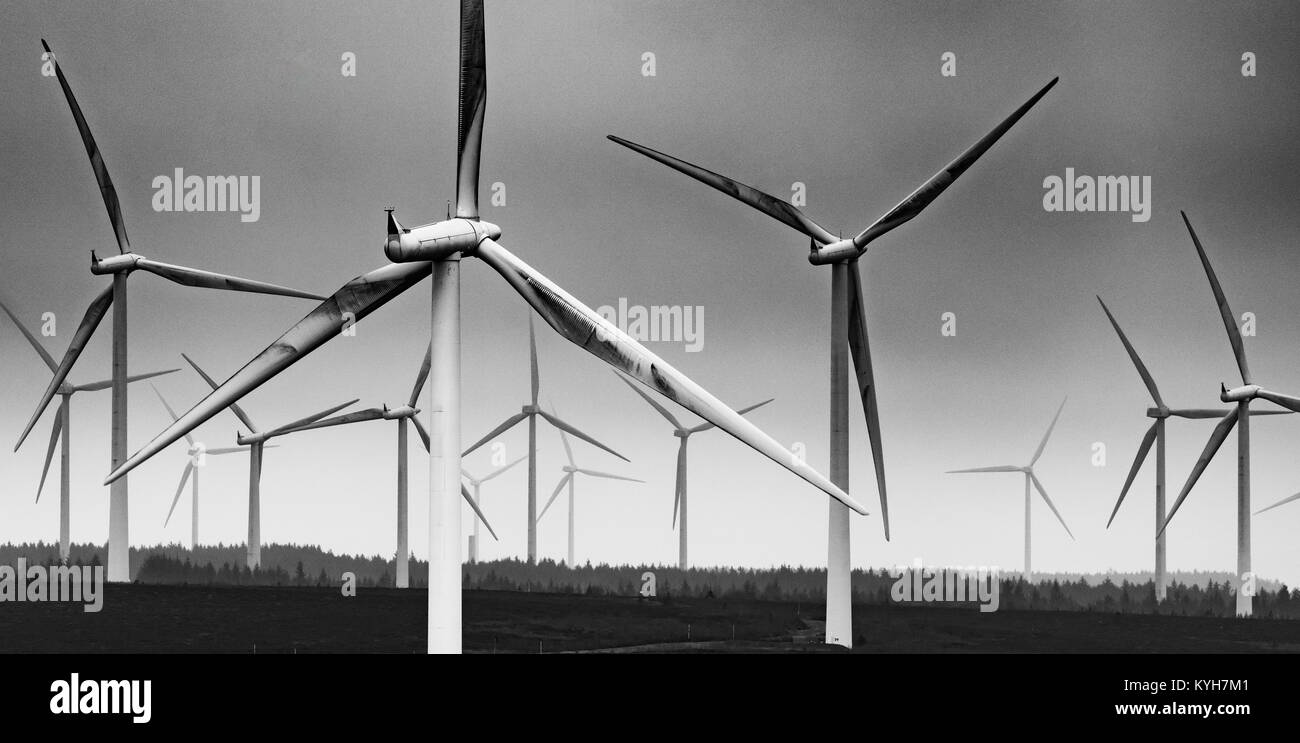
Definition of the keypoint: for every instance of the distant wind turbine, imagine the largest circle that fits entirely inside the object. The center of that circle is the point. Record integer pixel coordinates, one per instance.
(477, 483)
(1030, 477)
(571, 471)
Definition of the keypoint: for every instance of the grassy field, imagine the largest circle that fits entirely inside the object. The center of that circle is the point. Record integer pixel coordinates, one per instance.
(152, 618)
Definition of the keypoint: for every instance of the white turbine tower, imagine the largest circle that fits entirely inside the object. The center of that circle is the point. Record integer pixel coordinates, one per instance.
(530, 412)
(571, 471)
(120, 267)
(1241, 396)
(1030, 478)
(477, 484)
(679, 492)
(61, 431)
(438, 248)
(848, 329)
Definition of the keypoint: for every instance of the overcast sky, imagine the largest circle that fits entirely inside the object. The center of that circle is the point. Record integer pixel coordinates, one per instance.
(846, 98)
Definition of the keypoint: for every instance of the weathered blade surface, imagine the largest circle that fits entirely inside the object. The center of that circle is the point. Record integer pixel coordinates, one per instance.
(653, 403)
(210, 280)
(473, 105)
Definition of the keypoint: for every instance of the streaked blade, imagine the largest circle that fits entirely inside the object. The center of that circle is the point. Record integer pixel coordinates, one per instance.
(422, 431)
(778, 209)
(681, 479)
(1286, 401)
(1039, 487)
(421, 376)
(563, 481)
(185, 476)
(301, 423)
(999, 468)
(210, 280)
(230, 450)
(106, 383)
(501, 470)
(188, 438)
(94, 314)
(360, 416)
(568, 450)
(464, 493)
(919, 199)
(350, 304)
(1042, 444)
(1133, 354)
(532, 358)
(40, 350)
(55, 430)
(585, 328)
(565, 427)
(1284, 501)
(860, 350)
(234, 407)
(608, 476)
(505, 426)
(106, 189)
(473, 104)
(1199, 413)
(1143, 449)
(1229, 320)
(742, 411)
(653, 403)
(1217, 438)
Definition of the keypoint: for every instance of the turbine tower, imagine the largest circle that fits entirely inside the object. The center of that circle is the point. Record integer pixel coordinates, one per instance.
(198, 458)
(438, 248)
(1030, 478)
(530, 412)
(571, 470)
(120, 267)
(848, 330)
(61, 431)
(683, 434)
(477, 483)
(1156, 434)
(1241, 396)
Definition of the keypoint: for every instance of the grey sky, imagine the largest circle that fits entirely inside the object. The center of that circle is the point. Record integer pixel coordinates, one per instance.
(845, 97)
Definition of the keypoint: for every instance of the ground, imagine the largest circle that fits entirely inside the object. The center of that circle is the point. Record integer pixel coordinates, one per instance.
(146, 618)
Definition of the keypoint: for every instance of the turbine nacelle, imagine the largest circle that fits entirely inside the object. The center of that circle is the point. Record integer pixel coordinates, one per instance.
(437, 240)
(123, 263)
(1238, 394)
(1161, 411)
(405, 411)
(834, 252)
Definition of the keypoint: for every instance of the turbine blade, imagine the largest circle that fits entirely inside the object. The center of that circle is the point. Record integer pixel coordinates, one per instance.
(94, 314)
(1217, 438)
(301, 423)
(189, 439)
(922, 197)
(229, 450)
(106, 383)
(585, 328)
(234, 407)
(608, 476)
(1143, 449)
(706, 426)
(40, 350)
(563, 480)
(1042, 444)
(1284, 501)
(1200, 413)
(106, 189)
(185, 476)
(1229, 320)
(568, 450)
(473, 103)
(211, 280)
(565, 427)
(360, 416)
(464, 493)
(860, 350)
(350, 304)
(502, 469)
(1039, 487)
(778, 209)
(681, 479)
(424, 433)
(532, 358)
(999, 468)
(421, 376)
(55, 430)
(653, 403)
(505, 426)
(1277, 398)
(1133, 354)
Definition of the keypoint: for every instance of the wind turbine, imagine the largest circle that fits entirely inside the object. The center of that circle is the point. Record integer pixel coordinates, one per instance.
(847, 324)
(1030, 477)
(683, 434)
(255, 441)
(1156, 434)
(571, 471)
(530, 412)
(120, 267)
(61, 431)
(477, 483)
(1241, 396)
(198, 454)
(438, 248)
(401, 415)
